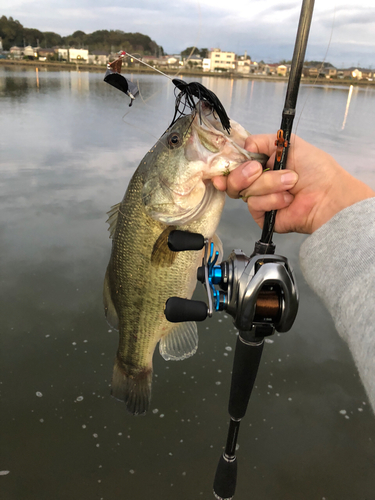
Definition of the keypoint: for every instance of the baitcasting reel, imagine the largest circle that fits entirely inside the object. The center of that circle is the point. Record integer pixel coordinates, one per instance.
(258, 292)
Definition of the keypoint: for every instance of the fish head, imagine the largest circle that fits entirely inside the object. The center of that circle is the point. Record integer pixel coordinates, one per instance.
(178, 171)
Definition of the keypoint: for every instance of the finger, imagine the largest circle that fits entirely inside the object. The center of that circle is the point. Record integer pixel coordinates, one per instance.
(220, 182)
(271, 182)
(261, 143)
(258, 205)
(242, 177)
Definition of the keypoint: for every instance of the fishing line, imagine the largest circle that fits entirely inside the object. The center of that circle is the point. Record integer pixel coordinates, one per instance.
(187, 60)
(319, 71)
(161, 72)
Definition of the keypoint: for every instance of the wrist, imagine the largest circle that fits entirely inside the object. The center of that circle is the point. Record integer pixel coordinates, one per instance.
(344, 196)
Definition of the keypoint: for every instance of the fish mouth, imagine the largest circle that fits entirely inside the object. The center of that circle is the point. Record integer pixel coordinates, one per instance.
(222, 151)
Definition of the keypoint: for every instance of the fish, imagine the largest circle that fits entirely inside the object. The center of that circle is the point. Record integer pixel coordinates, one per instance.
(171, 189)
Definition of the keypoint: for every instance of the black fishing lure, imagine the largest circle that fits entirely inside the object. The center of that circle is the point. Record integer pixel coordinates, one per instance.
(185, 99)
(113, 77)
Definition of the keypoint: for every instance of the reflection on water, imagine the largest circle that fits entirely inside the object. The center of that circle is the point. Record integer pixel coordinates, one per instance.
(350, 93)
(68, 149)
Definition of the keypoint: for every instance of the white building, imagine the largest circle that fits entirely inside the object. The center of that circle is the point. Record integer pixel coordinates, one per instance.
(79, 55)
(206, 64)
(98, 57)
(244, 66)
(30, 52)
(222, 60)
(16, 52)
(174, 60)
(63, 54)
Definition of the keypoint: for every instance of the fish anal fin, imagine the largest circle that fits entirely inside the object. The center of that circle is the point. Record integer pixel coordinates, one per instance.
(109, 308)
(112, 219)
(180, 343)
(161, 254)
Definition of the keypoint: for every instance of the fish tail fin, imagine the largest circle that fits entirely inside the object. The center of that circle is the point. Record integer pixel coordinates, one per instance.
(134, 390)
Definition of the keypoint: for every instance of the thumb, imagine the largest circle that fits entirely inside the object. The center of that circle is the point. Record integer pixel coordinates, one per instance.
(261, 143)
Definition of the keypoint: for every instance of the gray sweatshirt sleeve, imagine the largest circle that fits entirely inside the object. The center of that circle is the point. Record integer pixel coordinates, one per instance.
(338, 262)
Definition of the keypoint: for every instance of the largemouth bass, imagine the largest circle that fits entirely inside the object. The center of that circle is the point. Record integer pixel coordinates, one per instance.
(171, 189)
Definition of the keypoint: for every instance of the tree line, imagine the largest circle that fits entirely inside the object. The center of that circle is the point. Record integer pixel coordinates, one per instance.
(13, 33)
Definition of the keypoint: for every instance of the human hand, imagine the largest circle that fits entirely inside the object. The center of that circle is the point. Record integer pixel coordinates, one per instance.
(312, 189)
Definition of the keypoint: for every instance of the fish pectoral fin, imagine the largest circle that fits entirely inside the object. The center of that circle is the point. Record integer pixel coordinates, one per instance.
(180, 343)
(109, 308)
(161, 254)
(112, 219)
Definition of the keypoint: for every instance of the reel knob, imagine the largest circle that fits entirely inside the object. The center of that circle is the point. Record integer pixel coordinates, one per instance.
(180, 241)
(178, 310)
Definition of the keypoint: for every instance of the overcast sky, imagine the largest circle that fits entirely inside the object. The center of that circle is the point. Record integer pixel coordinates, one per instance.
(266, 29)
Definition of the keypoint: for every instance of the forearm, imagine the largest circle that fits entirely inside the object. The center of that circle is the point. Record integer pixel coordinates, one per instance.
(338, 262)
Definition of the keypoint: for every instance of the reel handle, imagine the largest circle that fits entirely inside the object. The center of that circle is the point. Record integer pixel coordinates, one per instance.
(178, 309)
(180, 241)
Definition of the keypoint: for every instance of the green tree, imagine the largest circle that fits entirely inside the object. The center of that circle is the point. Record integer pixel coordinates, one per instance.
(11, 32)
(189, 51)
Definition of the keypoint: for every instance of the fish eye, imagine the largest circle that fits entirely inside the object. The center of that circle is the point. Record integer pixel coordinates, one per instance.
(174, 140)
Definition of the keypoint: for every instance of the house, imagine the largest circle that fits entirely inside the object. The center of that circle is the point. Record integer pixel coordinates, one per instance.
(78, 55)
(263, 69)
(29, 52)
(98, 57)
(151, 60)
(329, 72)
(243, 66)
(367, 73)
(222, 61)
(361, 73)
(254, 67)
(174, 60)
(45, 53)
(312, 71)
(273, 68)
(16, 52)
(194, 61)
(62, 54)
(206, 65)
(357, 73)
(282, 70)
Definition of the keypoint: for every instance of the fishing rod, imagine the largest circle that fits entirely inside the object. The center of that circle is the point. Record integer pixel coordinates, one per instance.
(276, 278)
(265, 245)
(259, 291)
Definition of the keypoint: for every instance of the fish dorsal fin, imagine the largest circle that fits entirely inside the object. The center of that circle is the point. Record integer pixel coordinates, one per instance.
(180, 343)
(161, 254)
(112, 219)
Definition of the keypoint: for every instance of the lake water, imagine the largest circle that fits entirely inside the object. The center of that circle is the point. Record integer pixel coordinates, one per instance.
(69, 144)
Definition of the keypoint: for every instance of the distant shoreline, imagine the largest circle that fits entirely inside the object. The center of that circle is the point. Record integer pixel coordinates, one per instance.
(180, 72)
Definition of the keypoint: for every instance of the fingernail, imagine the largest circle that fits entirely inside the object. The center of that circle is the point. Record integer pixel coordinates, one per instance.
(289, 179)
(251, 168)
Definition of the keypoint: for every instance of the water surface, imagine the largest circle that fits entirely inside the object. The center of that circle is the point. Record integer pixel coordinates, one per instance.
(69, 145)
